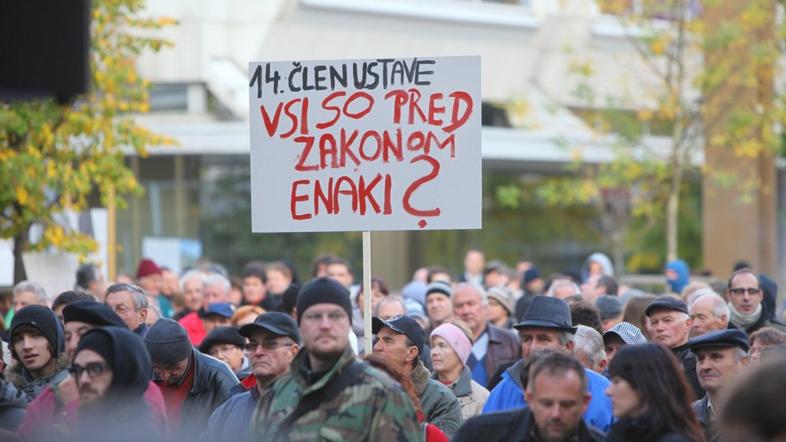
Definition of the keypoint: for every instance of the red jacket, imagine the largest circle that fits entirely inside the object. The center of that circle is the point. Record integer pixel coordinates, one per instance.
(194, 327)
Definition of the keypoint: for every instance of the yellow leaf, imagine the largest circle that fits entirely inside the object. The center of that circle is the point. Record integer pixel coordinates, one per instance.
(21, 195)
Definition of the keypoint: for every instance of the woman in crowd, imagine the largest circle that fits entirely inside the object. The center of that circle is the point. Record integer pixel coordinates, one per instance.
(246, 315)
(651, 397)
(634, 312)
(450, 348)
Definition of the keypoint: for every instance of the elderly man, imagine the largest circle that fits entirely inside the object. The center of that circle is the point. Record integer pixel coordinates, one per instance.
(589, 349)
(325, 379)
(400, 341)
(439, 306)
(28, 293)
(226, 344)
(90, 280)
(273, 342)
(193, 384)
(192, 287)
(557, 396)
(215, 290)
(709, 313)
(669, 324)
(130, 303)
(548, 325)
(745, 297)
(562, 289)
(721, 355)
(493, 346)
(474, 262)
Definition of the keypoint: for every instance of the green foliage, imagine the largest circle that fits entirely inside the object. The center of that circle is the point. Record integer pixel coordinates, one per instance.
(53, 157)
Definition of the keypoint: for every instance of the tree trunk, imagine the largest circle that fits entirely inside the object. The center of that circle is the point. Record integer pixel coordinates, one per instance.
(672, 218)
(20, 243)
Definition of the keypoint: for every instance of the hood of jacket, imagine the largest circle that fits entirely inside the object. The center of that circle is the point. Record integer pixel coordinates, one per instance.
(679, 267)
(600, 258)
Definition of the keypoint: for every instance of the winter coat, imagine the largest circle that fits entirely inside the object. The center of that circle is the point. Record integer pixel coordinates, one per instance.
(24, 382)
(12, 406)
(515, 425)
(509, 394)
(351, 401)
(471, 395)
(439, 404)
(504, 347)
(232, 419)
(213, 384)
(701, 407)
(639, 429)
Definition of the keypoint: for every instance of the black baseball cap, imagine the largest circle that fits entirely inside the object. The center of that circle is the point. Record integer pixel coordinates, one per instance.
(274, 322)
(403, 325)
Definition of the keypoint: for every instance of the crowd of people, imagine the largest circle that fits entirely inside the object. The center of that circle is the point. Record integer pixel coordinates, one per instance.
(496, 353)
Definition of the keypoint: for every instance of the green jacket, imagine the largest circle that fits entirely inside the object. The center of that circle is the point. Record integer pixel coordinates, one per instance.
(352, 402)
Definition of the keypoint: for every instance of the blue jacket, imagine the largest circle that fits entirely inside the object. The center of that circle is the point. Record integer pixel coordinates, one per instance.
(508, 394)
(232, 420)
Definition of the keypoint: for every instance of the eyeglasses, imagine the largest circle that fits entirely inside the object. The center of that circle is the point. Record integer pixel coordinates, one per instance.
(267, 345)
(333, 317)
(743, 290)
(93, 369)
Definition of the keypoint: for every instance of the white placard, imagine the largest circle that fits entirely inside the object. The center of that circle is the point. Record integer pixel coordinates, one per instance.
(359, 145)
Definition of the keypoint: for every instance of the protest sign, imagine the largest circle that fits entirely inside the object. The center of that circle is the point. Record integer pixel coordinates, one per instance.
(361, 145)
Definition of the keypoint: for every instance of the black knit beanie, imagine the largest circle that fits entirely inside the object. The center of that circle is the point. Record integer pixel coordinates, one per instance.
(100, 343)
(323, 290)
(42, 319)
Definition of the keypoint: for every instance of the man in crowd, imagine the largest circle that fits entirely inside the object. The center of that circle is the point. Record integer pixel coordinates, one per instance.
(493, 346)
(598, 285)
(218, 314)
(390, 306)
(90, 280)
(57, 402)
(37, 343)
(325, 378)
(28, 293)
(721, 355)
(150, 278)
(112, 371)
(474, 261)
(610, 308)
(495, 274)
(400, 341)
(67, 297)
(439, 306)
(589, 349)
(621, 334)
(130, 303)
(191, 287)
(215, 290)
(273, 342)
(562, 288)
(226, 344)
(340, 270)
(709, 313)
(747, 311)
(547, 325)
(557, 397)
(193, 384)
(670, 324)
(254, 286)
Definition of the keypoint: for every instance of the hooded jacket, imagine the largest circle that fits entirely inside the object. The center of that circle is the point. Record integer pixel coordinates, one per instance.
(679, 267)
(600, 258)
(471, 395)
(509, 394)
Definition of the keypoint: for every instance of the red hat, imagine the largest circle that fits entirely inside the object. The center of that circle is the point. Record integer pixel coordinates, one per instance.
(146, 268)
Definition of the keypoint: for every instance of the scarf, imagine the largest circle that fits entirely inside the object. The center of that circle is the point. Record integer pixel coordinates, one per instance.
(742, 320)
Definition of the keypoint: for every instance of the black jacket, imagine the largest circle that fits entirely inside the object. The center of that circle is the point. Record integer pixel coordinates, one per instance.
(688, 360)
(640, 429)
(701, 407)
(513, 425)
(213, 384)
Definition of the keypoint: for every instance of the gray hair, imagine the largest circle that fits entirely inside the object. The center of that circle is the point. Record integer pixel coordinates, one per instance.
(590, 342)
(484, 300)
(30, 286)
(390, 299)
(719, 306)
(563, 283)
(215, 279)
(138, 295)
(566, 337)
(188, 275)
(740, 354)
